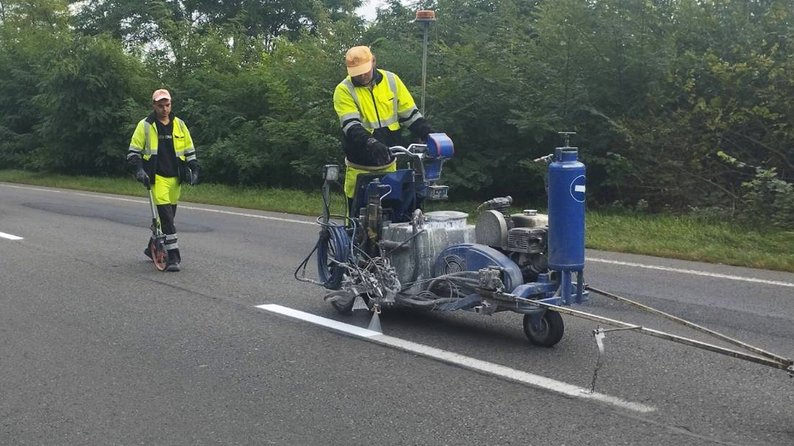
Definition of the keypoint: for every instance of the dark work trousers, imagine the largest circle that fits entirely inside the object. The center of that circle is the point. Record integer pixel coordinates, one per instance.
(167, 214)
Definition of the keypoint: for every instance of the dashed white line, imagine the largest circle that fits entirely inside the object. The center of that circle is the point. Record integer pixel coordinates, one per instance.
(461, 360)
(693, 272)
(10, 236)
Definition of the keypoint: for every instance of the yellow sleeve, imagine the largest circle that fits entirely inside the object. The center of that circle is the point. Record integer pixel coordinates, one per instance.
(138, 141)
(344, 105)
(190, 149)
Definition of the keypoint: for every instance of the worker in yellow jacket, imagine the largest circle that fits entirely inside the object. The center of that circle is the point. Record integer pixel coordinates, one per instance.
(162, 155)
(373, 106)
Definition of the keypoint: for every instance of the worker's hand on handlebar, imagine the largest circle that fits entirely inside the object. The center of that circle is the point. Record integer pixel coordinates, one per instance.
(141, 177)
(381, 154)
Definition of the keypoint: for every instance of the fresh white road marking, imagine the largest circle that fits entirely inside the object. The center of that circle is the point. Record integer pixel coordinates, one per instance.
(10, 236)
(693, 272)
(460, 360)
(319, 320)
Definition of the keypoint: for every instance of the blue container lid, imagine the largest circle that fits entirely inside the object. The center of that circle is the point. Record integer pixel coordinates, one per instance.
(439, 145)
(566, 154)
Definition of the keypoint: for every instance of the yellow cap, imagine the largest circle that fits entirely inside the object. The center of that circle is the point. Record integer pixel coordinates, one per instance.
(358, 60)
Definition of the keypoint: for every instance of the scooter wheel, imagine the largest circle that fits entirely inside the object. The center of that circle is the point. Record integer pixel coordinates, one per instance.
(159, 255)
(547, 332)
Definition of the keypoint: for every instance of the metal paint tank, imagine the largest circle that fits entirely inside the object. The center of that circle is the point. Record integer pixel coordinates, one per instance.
(439, 230)
(566, 210)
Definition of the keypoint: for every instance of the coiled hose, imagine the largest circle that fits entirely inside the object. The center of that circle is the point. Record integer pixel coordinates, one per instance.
(333, 250)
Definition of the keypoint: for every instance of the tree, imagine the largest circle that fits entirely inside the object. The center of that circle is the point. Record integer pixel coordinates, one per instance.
(89, 109)
(31, 34)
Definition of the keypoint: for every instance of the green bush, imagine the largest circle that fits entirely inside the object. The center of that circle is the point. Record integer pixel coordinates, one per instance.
(767, 199)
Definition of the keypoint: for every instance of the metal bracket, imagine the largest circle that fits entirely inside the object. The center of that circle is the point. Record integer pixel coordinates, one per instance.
(485, 308)
(599, 335)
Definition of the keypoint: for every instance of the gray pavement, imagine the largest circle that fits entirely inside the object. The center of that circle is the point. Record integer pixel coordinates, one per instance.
(96, 347)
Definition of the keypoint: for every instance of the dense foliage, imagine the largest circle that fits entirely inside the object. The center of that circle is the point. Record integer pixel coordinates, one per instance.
(679, 105)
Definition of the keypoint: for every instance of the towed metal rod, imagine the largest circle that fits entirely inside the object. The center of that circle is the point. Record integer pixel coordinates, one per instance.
(686, 323)
(777, 362)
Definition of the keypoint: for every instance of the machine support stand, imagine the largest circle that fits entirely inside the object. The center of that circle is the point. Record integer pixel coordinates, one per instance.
(374, 323)
(565, 281)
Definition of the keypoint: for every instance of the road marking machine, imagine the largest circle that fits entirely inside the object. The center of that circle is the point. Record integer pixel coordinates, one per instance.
(387, 252)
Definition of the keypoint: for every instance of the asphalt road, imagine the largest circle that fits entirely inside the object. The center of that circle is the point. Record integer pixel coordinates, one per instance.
(98, 348)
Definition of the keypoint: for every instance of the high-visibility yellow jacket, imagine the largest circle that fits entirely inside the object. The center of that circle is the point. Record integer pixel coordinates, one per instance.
(145, 141)
(379, 112)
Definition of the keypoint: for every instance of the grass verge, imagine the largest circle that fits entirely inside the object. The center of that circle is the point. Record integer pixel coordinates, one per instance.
(679, 237)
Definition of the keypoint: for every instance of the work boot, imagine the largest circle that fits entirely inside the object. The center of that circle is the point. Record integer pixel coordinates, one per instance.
(172, 264)
(147, 252)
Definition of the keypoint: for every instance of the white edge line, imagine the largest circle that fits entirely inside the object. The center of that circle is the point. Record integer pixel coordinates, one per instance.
(693, 272)
(242, 214)
(195, 208)
(288, 220)
(460, 360)
(10, 236)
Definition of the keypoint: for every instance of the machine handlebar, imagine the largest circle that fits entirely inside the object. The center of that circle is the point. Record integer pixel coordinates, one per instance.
(413, 150)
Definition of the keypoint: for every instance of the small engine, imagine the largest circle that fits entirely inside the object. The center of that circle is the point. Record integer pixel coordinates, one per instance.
(523, 237)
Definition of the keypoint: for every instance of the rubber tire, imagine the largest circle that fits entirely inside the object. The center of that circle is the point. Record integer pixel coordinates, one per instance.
(551, 332)
(159, 255)
(343, 309)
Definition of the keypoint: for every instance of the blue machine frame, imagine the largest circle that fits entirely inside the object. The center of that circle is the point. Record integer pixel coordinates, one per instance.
(357, 261)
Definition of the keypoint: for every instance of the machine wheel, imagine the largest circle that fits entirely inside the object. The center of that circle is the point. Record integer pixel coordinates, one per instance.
(159, 255)
(342, 302)
(550, 331)
(343, 307)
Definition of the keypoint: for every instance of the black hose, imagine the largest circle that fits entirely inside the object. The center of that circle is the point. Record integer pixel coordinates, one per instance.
(335, 242)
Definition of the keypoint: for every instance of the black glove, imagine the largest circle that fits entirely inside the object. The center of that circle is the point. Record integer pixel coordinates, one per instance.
(381, 155)
(140, 176)
(420, 129)
(136, 167)
(193, 165)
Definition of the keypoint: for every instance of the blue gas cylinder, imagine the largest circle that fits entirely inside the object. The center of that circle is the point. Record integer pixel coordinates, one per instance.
(566, 210)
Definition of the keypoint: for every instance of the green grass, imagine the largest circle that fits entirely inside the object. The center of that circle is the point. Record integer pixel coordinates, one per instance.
(691, 238)
(680, 237)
